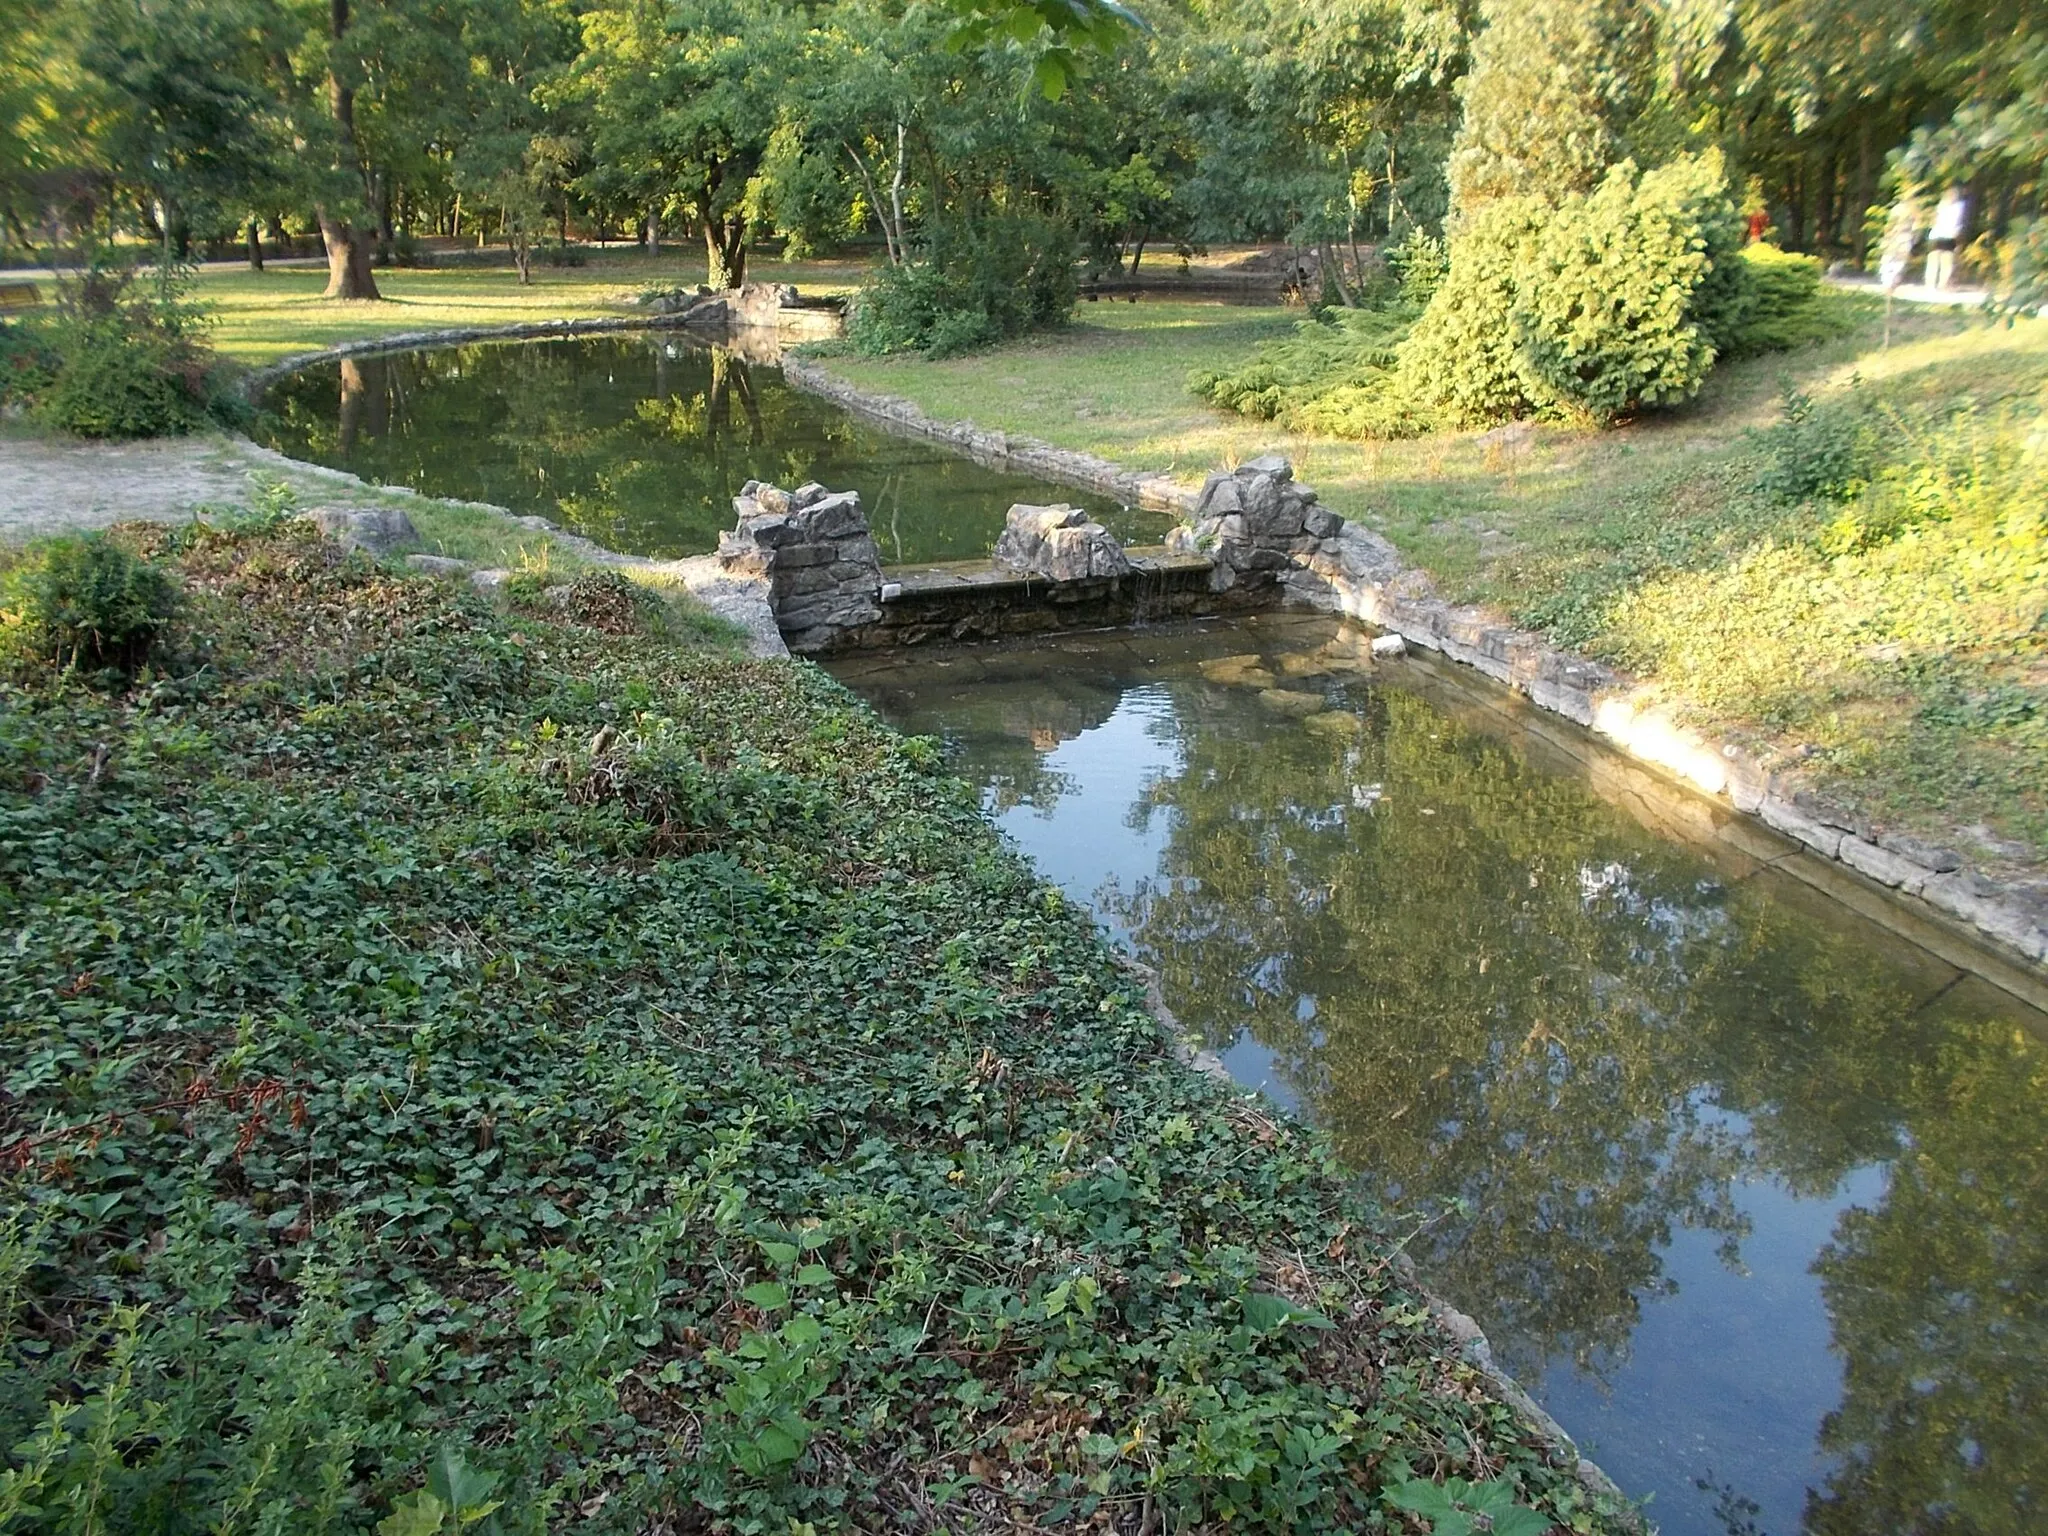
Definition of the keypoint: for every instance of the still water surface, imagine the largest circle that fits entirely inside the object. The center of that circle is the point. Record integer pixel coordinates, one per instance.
(1752, 1195)
(641, 442)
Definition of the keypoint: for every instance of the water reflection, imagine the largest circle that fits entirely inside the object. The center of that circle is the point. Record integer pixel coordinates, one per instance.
(640, 442)
(1751, 1193)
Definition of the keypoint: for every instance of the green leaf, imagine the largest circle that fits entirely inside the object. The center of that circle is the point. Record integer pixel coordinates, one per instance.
(419, 1513)
(767, 1295)
(814, 1274)
(1265, 1312)
(463, 1489)
(781, 1255)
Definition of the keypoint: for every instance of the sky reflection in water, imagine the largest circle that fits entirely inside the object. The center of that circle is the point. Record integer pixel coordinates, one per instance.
(1753, 1194)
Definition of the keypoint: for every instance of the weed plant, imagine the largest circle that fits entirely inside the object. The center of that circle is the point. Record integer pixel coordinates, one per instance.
(493, 1070)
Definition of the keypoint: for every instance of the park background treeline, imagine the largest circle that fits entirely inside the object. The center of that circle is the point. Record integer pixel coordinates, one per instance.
(212, 125)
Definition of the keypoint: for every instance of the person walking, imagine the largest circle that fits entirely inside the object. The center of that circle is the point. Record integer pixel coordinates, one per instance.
(1901, 233)
(1944, 236)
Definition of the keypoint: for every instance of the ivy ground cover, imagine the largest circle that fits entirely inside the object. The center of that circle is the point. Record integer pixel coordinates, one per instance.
(507, 1070)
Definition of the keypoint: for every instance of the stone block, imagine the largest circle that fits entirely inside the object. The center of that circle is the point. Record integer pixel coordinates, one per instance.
(1321, 522)
(374, 530)
(807, 493)
(1930, 858)
(794, 557)
(1785, 816)
(1220, 497)
(806, 580)
(1882, 865)
(438, 565)
(834, 516)
(1270, 464)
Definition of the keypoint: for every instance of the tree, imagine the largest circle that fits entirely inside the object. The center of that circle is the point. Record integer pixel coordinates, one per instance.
(686, 98)
(185, 119)
(1555, 85)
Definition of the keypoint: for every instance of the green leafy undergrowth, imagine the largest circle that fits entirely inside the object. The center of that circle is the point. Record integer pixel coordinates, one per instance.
(477, 1071)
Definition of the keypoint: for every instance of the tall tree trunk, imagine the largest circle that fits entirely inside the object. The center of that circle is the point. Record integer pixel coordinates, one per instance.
(725, 250)
(653, 232)
(348, 246)
(354, 394)
(255, 243)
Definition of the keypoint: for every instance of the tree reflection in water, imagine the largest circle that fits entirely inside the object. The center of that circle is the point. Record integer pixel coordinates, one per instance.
(1506, 999)
(639, 442)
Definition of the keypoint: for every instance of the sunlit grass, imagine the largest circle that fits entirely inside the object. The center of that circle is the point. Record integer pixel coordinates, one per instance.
(263, 316)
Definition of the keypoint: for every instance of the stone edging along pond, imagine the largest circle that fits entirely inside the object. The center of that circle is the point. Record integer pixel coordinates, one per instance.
(1371, 582)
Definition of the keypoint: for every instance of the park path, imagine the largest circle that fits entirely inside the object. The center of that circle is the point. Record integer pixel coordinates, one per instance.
(50, 485)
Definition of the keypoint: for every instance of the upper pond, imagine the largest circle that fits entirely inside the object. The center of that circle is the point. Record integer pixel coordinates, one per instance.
(641, 442)
(1750, 1193)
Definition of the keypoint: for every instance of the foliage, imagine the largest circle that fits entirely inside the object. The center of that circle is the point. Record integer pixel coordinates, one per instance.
(83, 604)
(125, 356)
(1333, 375)
(643, 1074)
(1787, 308)
(1633, 292)
(1420, 262)
(981, 282)
(1611, 302)
(1870, 590)
(28, 361)
(1813, 452)
(1553, 89)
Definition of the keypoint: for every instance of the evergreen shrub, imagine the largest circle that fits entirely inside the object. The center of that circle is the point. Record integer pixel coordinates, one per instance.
(1788, 308)
(979, 284)
(1612, 301)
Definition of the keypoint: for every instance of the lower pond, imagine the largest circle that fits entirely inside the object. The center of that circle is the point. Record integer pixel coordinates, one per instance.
(1749, 1192)
(640, 442)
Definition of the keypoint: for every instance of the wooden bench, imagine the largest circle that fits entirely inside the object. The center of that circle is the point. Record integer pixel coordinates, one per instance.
(17, 297)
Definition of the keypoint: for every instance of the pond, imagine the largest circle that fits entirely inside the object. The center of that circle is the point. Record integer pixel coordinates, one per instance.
(1749, 1192)
(640, 442)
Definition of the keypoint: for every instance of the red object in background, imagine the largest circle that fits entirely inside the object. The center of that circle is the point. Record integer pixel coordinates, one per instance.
(1758, 223)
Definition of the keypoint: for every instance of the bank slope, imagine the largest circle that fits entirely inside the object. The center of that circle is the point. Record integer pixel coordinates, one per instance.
(471, 1057)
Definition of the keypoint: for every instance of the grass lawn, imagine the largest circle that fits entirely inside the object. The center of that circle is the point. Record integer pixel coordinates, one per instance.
(536, 1055)
(263, 316)
(1904, 673)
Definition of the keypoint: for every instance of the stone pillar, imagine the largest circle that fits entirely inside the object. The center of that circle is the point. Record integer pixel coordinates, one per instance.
(1256, 523)
(1059, 543)
(814, 547)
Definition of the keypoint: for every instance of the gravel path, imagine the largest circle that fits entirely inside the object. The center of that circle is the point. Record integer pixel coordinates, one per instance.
(49, 486)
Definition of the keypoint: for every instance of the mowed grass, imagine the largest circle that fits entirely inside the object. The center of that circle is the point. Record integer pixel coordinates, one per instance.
(260, 317)
(1904, 674)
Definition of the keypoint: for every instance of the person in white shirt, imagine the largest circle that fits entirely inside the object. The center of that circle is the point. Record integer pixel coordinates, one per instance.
(1944, 236)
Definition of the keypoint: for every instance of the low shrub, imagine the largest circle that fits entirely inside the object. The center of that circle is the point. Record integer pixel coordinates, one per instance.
(84, 604)
(1461, 356)
(1787, 308)
(1420, 262)
(28, 362)
(127, 357)
(1334, 374)
(1818, 452)
(980, 283)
